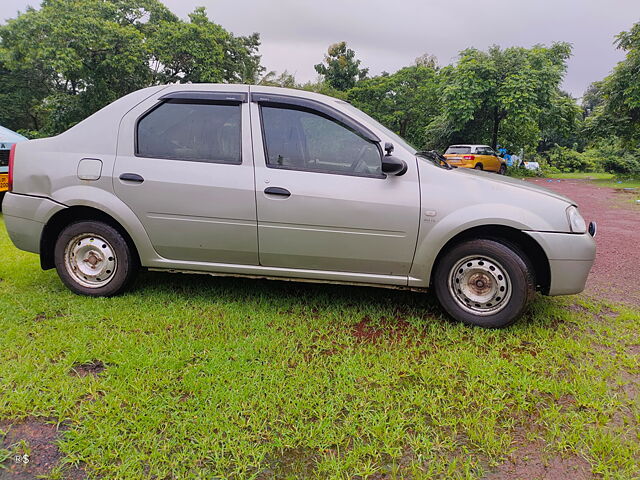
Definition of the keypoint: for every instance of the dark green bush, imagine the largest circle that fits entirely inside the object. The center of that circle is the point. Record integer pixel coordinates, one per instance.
(625, 165)
(567, 160)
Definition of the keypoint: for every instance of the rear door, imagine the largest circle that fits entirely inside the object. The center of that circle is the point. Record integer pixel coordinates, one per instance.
(185, 167)
(487, 157)
(323, 201)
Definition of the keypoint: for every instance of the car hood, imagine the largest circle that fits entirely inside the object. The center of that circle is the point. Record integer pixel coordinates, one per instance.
(500, 180)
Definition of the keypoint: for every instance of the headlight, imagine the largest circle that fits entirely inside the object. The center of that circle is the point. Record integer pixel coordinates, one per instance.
(576, 222)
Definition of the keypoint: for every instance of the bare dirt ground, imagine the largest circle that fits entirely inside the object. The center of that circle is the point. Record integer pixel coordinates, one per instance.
(615, 275)
(33, 443)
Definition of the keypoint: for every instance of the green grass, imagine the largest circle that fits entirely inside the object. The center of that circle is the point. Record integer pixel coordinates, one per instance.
(584, 176)
(600, 179)
(232, 378)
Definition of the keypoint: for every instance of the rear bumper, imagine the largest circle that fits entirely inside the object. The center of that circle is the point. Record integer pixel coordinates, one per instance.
(25, 217)
(570, 259)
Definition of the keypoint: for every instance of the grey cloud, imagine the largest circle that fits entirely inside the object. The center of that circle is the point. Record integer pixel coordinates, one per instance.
(388, 34)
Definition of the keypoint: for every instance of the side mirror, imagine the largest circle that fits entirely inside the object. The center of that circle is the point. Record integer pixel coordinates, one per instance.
(393, 166)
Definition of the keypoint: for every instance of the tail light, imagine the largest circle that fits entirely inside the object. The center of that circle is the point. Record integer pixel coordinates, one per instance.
(12, 155)
(469, 157)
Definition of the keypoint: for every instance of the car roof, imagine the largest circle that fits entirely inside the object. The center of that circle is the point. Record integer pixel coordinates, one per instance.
(468, 145)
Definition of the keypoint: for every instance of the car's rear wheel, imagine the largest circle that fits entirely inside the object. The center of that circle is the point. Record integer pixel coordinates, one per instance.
(92, 258)
(503, 169)
(484, 282)
(478, 166)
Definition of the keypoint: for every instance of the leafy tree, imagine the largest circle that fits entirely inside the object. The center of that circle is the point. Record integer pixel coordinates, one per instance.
(285, 79)
(341, 70)
(427, 60)
(561, 123)
(499, 95)
(617, 109)
(404, 101)
(70, 58)
(202, 51)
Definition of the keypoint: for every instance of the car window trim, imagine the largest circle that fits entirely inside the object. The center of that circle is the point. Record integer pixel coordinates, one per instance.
(211, 98)
(304, 108)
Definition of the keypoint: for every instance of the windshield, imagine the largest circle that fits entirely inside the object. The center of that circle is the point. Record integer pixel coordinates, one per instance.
(397, 139)
(457, 150)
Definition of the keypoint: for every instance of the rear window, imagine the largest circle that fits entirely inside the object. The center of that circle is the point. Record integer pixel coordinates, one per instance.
(197, 132)
(457, 150)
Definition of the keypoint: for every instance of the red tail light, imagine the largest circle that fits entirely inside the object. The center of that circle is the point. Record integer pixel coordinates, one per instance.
(469, 157)
(12, 155)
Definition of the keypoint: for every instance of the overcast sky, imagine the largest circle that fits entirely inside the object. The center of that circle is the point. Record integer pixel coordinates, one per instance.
(389, 34)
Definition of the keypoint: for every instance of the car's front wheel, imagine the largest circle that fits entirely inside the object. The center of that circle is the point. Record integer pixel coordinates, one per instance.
(502, 170)
(92, 258)
(484, 282)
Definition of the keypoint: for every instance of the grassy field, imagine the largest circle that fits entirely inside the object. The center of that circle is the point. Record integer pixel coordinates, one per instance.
(230, 378)
(601, 179)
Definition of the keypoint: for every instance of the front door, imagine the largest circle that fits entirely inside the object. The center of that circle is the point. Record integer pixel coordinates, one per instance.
(323, 201)
(185, 167)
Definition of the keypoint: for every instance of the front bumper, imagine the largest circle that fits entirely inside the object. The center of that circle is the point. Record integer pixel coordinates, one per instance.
(570, 257)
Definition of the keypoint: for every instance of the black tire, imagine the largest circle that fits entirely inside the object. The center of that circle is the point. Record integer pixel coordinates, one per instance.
(478, 167)
(503, 169)
(119, 267)
(468, 262)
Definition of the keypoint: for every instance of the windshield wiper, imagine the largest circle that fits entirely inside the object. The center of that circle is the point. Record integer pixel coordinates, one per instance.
(436, 158)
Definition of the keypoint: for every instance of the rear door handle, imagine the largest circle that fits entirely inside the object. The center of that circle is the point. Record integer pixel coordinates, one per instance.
(131, 177)
(282, 192)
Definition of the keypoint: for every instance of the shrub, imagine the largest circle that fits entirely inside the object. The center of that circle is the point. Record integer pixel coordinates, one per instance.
(625, 165)
(611, 156)
(567, 160)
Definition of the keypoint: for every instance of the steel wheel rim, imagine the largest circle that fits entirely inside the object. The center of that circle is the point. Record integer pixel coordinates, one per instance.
(90, 260)
(480, 285)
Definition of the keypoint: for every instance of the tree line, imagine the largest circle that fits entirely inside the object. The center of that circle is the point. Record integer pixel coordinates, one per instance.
(67, 59)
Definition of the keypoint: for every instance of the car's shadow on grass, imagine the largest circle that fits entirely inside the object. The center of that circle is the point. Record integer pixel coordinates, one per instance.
(401, 305)
(186, 286)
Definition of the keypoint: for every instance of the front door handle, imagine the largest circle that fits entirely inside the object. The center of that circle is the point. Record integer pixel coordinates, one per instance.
(131, 177)
(282, 192)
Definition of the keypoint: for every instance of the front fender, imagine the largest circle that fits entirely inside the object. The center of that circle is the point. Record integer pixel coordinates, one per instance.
(436, 232)
(88, 196)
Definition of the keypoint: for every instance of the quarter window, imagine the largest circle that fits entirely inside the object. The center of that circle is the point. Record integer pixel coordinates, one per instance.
(299, 139)
(197, 132)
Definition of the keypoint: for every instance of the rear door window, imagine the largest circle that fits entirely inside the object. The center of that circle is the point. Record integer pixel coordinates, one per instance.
(191, 131)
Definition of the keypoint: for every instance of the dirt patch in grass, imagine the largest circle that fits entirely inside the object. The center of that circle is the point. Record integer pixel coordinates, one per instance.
(297, 462)
(529, 461)
(94, 367)
(33, 440)
(367, 330)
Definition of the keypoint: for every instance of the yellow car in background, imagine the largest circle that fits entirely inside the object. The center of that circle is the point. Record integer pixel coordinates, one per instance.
(480, 157)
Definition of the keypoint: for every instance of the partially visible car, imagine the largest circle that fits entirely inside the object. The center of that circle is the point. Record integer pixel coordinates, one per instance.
(7, 139)
(479, 157)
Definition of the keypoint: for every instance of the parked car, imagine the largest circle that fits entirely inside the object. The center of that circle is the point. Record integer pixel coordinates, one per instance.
(285, 184)
(479, 157)
(7, 139)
